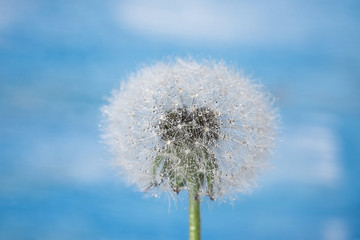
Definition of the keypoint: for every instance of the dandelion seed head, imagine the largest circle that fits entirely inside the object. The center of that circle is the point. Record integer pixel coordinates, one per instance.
(190, 125)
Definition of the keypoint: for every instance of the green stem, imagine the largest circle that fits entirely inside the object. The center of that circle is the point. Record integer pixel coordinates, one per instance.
(194, 218)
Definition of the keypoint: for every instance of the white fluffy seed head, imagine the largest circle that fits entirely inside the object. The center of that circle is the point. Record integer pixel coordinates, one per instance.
(198, 126)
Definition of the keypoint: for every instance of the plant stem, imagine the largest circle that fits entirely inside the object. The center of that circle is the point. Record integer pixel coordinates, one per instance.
(194, 218)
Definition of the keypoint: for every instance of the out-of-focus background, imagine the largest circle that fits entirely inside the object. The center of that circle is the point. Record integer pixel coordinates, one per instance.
(59, 60)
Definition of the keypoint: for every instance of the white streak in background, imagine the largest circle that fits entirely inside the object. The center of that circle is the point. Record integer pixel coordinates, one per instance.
(70, 159)
(7, 13)
(13, 10)
(7, 16)
(335, 229)
(310, 155)
(66, 159)
(250, 22)
(319, 149)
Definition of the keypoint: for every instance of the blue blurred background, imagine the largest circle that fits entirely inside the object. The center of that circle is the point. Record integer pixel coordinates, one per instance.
(60, 59)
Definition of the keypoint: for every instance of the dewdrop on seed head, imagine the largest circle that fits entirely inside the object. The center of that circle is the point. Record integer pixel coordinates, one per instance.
(187, 125)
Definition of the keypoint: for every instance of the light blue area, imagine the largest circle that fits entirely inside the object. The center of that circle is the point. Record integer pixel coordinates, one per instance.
(59, 60)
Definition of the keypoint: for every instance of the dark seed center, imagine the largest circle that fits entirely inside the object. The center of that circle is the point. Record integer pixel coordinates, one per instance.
(183, 126)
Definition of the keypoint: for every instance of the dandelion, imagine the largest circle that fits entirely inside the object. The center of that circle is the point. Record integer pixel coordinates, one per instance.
(195, 126)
